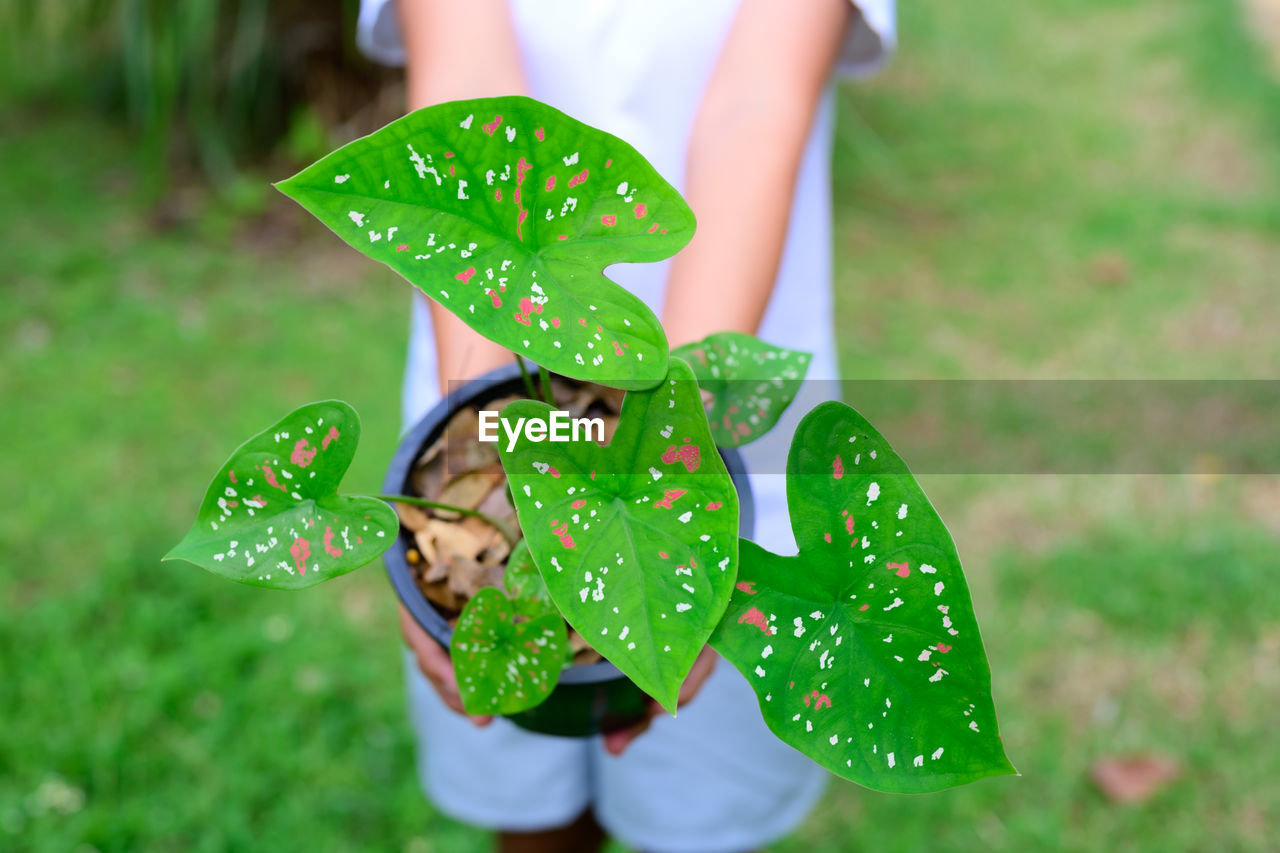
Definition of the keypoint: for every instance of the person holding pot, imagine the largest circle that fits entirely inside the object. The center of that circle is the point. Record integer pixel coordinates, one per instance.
(731, 102)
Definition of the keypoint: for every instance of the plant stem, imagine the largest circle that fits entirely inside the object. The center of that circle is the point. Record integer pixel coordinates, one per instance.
(497, 524)
(528, 380)
(544, 376)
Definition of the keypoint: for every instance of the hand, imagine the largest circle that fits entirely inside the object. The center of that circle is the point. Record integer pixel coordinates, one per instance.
(616, 742)
(435, 664)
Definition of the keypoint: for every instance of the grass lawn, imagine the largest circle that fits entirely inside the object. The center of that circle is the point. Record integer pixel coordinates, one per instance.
(1057, 189)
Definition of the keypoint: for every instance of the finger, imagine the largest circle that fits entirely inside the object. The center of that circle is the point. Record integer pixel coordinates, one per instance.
(615, 743)
(701, 670)
(433, 660)
(434, 663)
(414, 636)
(448, 693)
(437, 658)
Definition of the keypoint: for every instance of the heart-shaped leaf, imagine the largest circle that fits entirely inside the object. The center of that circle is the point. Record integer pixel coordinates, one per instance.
(524, 583)
(863, 649)
(522, 580)
(506, 654)
(637, 541)
(751, 383)
(506, 211)
(272, 515)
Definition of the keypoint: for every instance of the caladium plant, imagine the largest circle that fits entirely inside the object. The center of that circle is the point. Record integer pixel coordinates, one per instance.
(863, 649)
(508, 649)
(272, 515)
(750, 383)
(506, 212)
(639, 550)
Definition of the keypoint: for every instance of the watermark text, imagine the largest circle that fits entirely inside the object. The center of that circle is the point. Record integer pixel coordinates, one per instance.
(560, 426)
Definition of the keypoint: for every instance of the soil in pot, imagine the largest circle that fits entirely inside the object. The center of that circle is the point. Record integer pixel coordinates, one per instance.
(454, 555)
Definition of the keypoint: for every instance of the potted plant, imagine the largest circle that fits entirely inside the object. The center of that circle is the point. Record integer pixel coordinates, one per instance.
(436, 571)
(863, 649)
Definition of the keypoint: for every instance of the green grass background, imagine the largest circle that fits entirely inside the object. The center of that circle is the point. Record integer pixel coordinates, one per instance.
(1036, 190)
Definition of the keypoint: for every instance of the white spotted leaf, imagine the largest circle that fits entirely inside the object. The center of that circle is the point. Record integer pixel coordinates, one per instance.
(507, 653)
(521, 578)
(524, 584)
(506, 211)
(751, 383)
(637, 541)
(272, 515)
(863, 649)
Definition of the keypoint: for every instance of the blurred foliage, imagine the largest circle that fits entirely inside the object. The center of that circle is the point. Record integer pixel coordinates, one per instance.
(203, 83)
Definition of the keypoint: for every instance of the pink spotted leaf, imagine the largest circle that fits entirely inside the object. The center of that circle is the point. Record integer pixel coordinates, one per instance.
(507, 653)
(506, 211)
(272, 515)
(751, 383)
(863, 649)
(521, 578)
(524, 583)
(636, 541)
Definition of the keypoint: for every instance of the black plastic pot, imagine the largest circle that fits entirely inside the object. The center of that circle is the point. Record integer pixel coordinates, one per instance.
(588, 699)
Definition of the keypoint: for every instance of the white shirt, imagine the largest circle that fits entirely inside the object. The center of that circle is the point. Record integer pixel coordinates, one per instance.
(638, 70)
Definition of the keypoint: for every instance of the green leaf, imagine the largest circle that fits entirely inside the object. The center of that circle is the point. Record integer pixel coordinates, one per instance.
(751, 383)
(272, 516)
(863, 649)
(522, 580)
(637, 541)
(506, 654)
(524, 583)
(506, 211)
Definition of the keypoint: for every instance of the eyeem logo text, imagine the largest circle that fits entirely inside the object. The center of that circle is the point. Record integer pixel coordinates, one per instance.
(559, 427)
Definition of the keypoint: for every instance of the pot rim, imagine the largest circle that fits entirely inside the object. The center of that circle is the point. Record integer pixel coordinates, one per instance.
(481, 390)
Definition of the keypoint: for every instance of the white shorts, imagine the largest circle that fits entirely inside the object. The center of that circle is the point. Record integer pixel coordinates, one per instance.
(712, 779)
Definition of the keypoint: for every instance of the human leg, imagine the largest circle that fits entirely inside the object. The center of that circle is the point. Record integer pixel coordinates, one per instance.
(583, 835)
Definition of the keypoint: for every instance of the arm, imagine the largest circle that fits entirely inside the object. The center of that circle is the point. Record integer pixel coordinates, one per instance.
(745, 151)
(748, 138)
(445, 64)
